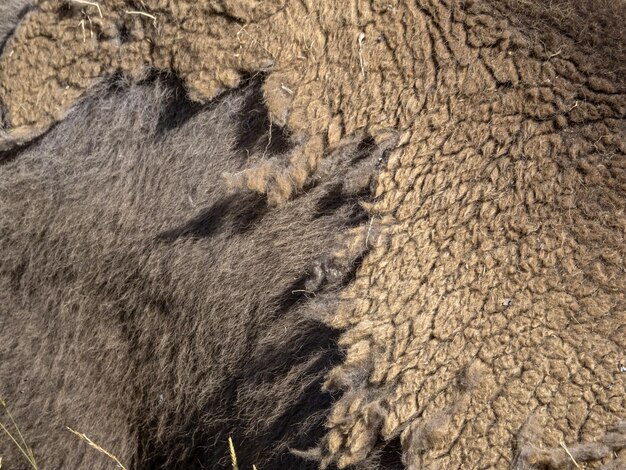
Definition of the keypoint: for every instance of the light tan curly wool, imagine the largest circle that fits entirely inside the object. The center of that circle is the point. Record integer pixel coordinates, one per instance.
(487, 326)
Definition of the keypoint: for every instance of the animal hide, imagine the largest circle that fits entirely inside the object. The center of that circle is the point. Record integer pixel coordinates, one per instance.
(420, 204)
(146, 306)
(10, 13)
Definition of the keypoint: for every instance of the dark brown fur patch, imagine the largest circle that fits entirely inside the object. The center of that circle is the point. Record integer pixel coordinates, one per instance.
(145, 305)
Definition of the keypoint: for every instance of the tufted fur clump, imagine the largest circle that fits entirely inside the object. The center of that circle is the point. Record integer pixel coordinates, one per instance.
(144, 304)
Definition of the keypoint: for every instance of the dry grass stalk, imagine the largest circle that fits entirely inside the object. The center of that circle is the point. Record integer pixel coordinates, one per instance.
(93, 4)
(233, 455)
(142, 13)
(23, 447)
(97, 447)
(570, 455)
(361, 63)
